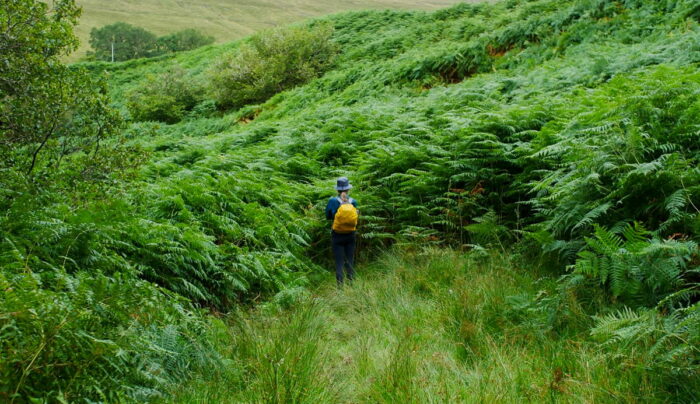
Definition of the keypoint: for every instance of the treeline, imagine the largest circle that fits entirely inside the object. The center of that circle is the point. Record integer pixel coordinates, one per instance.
(121, 41)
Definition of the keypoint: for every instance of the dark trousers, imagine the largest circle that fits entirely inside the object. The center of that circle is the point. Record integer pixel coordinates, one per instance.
(343, 246)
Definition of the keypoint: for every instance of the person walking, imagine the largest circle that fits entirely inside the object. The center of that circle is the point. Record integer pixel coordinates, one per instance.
(342, 210)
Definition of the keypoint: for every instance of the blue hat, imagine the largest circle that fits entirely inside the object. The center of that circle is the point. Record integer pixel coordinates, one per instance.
(343, 184)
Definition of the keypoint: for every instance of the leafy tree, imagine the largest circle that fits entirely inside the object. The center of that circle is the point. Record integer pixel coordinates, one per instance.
(130, 42)
(183, 40)
(272, 62)
(47, 109)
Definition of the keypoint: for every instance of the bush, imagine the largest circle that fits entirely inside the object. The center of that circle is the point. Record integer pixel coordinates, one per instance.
(272, 62)
(164, 98)
(187, 39)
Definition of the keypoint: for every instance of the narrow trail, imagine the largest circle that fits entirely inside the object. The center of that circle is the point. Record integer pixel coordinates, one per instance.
(385, 338)
(414, 328)
(390, 341)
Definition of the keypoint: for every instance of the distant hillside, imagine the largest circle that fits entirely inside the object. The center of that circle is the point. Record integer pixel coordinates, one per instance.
(224, 19)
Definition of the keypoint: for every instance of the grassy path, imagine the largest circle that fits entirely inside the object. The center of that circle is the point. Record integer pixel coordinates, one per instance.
(415, 328)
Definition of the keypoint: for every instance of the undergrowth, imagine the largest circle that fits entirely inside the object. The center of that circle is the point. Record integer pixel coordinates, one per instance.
(425, 326)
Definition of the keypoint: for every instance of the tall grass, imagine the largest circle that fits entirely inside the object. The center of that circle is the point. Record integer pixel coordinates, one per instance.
(424, 326)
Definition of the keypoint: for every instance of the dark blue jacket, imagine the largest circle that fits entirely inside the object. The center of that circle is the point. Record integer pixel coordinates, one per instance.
(333, 205)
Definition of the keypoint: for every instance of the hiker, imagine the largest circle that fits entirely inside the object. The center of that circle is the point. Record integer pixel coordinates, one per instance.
(342, 210)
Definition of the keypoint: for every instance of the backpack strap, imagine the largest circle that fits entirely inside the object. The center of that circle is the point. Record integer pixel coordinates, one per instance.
(340, 201)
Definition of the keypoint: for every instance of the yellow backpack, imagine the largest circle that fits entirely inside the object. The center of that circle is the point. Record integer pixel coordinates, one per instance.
(345, 220)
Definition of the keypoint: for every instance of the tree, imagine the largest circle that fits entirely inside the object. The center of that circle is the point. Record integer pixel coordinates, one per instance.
(47, 110)
(130, 42)
(183, 40)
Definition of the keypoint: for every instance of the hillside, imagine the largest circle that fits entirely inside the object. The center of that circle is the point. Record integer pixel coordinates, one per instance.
(225, 20)
(527, 173)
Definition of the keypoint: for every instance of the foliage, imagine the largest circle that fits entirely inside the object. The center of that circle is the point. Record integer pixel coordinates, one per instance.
(485, 125)
(273, 61)
(184, 40)
(425, 325)
(647, 272)
(166, 97)
(632, 160)
(635, 269)
(123, 41)
(48, 109)
(666, 345)
(69, 337)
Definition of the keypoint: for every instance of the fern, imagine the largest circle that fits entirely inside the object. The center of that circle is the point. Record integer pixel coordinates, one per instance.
(668, 344)
(635, 268)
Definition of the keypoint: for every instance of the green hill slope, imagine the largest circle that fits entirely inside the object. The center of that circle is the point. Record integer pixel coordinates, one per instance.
(563, 134)
(224, 20)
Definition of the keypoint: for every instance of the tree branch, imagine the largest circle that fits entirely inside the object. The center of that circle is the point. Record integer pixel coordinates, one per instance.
(41, 146)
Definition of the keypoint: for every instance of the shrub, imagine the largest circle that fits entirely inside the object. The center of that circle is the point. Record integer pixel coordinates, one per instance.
(270, 63)
(183, 40)
(164, 98)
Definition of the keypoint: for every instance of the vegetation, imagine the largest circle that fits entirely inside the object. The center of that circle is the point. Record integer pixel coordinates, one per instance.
(273, 62)
(421, 326)
(121, 41)
(186, 39)
(49, 112)
(225, 20)
(552, 145)
(165, 97)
